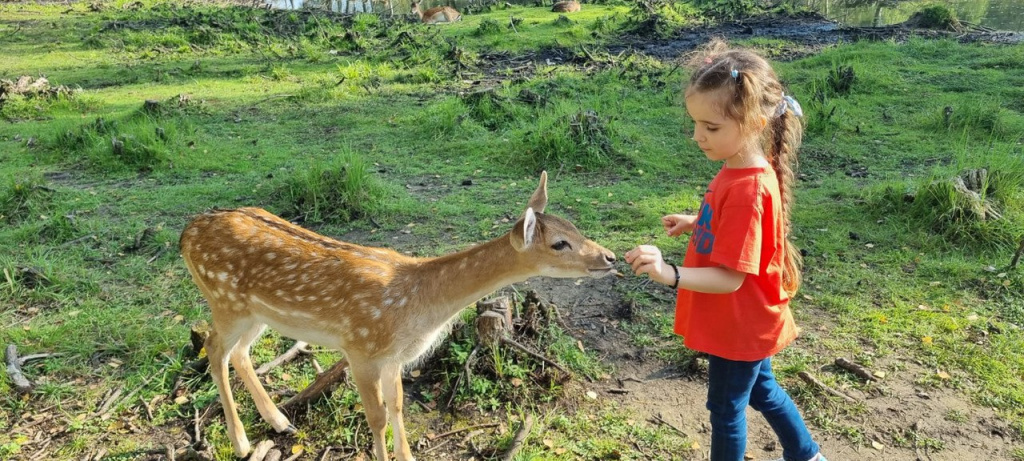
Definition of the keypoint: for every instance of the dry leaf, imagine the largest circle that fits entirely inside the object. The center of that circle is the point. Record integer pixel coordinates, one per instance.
(877, 446)
(943, 375)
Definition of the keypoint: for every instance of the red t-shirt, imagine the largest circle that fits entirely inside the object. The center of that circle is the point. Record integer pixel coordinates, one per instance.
(739, 226)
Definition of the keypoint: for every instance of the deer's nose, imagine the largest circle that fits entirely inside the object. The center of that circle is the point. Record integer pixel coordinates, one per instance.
(609, 257)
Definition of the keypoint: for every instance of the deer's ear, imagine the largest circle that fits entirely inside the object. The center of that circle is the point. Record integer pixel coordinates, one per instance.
(522, 240)
(539, 200)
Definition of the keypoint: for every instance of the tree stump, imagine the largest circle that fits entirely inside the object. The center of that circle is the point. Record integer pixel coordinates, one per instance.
(494, 320)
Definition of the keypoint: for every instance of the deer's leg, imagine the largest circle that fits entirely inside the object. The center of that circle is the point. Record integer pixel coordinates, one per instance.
(367, 379)
(222, 340)
(391, 386)
(243, 367)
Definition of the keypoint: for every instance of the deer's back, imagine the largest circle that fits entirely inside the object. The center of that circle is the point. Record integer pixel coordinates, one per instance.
(308, 286)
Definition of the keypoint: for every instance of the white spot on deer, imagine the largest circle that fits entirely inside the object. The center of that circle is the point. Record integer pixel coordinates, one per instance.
(462, 265)
(402, 302)
(375, 313)
(311, 298)
(193, 231)
(291, 266)
(364, 332)
(232, 296)
(222, 276)
(270, 256)
(202, 270)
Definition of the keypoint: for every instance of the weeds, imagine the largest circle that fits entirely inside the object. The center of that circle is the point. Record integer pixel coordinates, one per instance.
(338, 191)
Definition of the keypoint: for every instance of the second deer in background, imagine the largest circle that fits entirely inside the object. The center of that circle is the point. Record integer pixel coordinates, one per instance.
(568, 6)
(436, 15)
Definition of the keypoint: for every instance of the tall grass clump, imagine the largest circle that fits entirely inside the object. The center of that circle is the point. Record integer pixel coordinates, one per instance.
(981, 206)
(982, 119)
(334, 192)
(658, 18)
(136, 143)
(824, 114)
(580, 139)
(20, 196)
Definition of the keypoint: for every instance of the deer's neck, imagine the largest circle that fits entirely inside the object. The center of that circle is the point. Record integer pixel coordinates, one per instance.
(444, 286)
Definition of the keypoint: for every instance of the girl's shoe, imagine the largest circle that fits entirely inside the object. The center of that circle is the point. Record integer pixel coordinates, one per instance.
(817, 457)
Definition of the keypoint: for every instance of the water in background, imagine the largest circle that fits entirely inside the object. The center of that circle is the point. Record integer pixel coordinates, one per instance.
(995, 14)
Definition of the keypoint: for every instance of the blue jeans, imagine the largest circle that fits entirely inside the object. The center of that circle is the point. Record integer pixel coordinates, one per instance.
(733, 385)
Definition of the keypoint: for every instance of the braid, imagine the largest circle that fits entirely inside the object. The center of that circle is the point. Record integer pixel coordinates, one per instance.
(786, 132)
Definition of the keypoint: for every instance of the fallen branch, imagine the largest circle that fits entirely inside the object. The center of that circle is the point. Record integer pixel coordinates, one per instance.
(810, 379)
(298, 348)
(1016, 256)
(21, 383)
(512, 342)
(517, 442)
(662, 421)
(855, 369)
(457, 431)
(324, 384)
(466, 374)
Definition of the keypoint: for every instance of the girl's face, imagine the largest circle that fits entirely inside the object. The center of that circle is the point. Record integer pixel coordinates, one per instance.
(719, 136)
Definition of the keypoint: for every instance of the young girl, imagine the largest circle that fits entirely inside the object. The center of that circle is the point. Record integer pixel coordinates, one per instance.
(740, 269)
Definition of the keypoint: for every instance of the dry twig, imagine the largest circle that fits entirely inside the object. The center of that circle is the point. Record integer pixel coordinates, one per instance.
(517, 442)
(855, 369)
(512, 342)
(810, 379)
(298, 348)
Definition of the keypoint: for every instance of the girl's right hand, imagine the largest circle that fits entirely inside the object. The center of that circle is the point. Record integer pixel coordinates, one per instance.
(677, 224)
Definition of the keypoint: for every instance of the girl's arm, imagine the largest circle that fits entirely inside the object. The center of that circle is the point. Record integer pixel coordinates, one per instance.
(647, 259)
(677, 224)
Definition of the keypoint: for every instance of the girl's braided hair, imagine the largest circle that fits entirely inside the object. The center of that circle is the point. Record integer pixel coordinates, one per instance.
(753, 94)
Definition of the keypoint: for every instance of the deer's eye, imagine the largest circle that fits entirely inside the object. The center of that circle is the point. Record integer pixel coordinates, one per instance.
(561, 245)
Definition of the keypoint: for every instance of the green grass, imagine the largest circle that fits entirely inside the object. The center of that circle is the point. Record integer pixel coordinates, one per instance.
(366, 132)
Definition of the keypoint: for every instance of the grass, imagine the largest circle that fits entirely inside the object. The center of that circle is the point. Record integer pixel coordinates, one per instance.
(364, 132)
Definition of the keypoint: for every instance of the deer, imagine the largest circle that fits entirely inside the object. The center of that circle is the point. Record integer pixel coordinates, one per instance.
(436, 15)
(382, 309)
(567, 6)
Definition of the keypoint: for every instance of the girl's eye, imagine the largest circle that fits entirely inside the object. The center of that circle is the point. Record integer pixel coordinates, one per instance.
(561, 245)
(712, 130)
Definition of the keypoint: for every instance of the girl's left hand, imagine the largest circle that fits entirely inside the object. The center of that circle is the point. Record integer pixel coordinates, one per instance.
(647, 259)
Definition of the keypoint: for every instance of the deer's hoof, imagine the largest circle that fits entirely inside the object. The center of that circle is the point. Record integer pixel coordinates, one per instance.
(290, 429)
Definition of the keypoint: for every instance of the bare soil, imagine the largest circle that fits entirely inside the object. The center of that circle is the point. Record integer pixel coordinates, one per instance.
(661, 392)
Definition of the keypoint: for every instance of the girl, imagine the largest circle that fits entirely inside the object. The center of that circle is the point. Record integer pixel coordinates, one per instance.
(740, 269)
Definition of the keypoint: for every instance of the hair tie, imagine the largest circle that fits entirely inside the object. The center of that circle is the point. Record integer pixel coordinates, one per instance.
(735, 74)
(792, 104)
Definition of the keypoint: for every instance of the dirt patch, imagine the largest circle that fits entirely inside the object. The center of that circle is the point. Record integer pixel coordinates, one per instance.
(932, 424)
